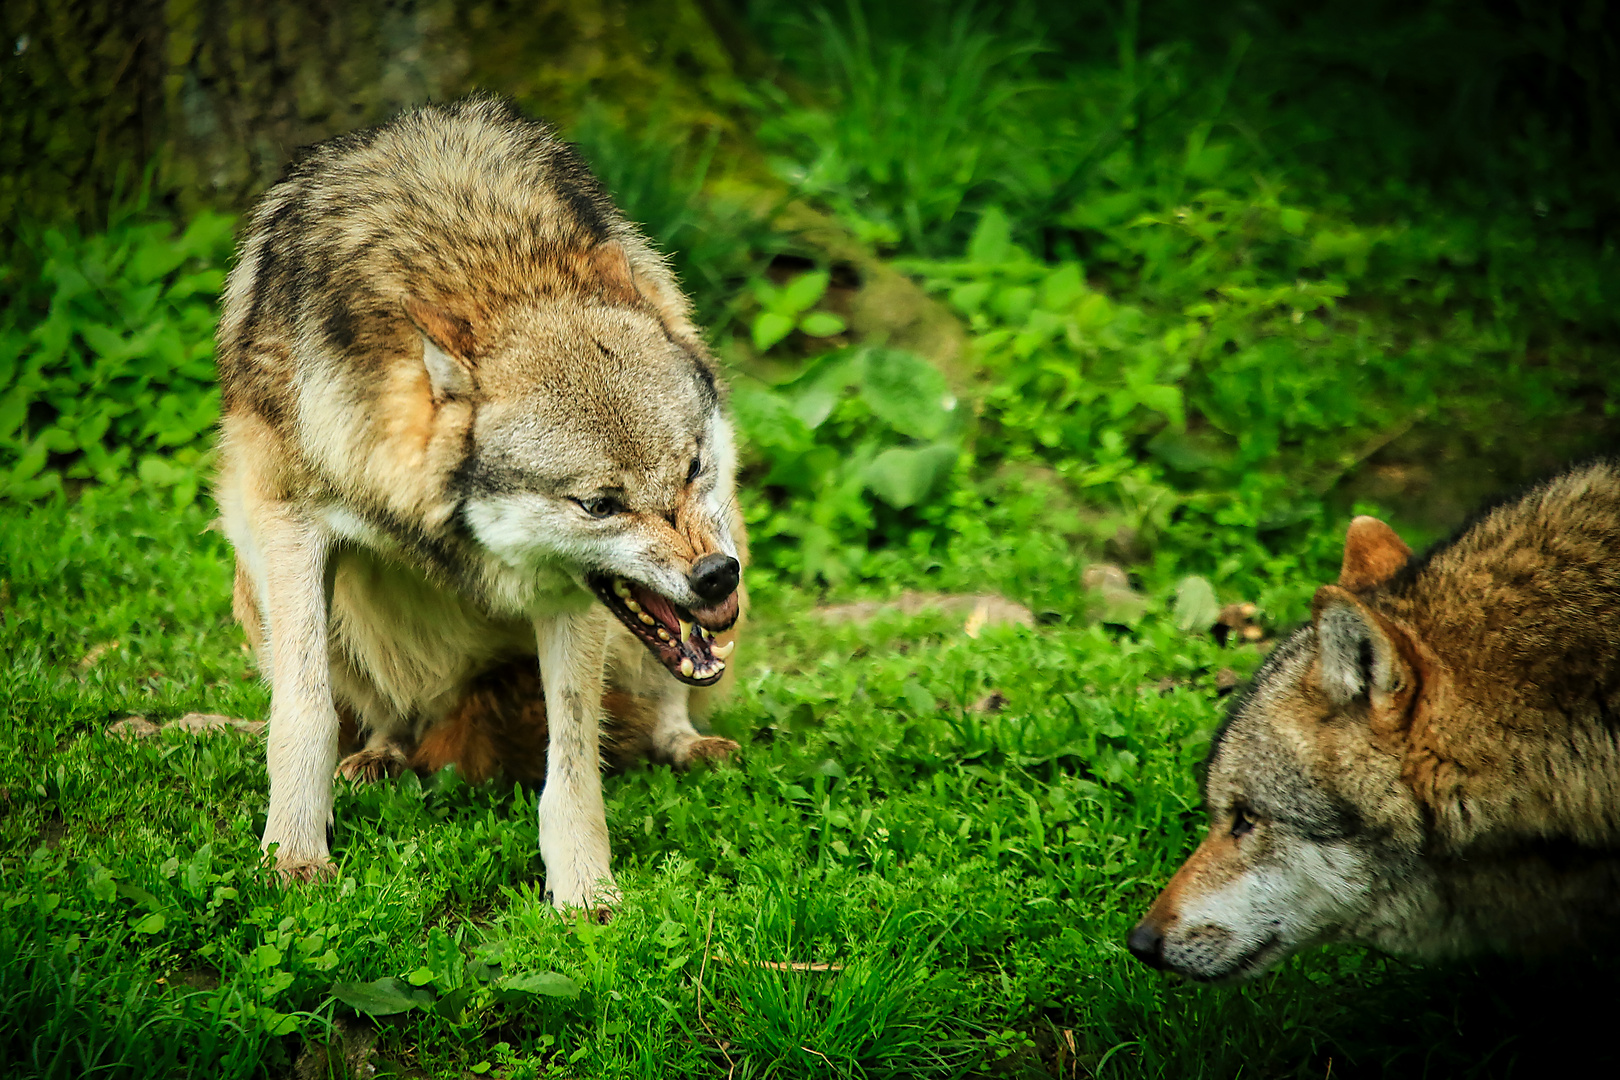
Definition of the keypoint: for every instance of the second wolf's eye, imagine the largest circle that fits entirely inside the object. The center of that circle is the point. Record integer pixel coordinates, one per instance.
(601, 506)
(692, 473)
(1242, 821)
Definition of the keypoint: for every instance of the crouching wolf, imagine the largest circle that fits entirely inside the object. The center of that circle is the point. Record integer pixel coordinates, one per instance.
(468, 422)
(1432, 765)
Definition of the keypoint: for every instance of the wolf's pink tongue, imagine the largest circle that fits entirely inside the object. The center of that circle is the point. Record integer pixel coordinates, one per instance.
(656, 606)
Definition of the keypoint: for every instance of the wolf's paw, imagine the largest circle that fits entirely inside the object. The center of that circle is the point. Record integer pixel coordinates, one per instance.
(370, 766)
(301, 871)
(709, 748)
(598, 905)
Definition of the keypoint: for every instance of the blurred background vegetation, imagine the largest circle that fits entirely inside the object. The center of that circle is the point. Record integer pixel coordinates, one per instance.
(1169, 282)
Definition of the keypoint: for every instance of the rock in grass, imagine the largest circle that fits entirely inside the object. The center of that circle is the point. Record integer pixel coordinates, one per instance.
(1110, 597)
(133, 727)
(977, 610)
(196, 723)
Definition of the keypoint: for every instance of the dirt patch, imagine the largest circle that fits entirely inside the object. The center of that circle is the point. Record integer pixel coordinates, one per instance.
(976, 611)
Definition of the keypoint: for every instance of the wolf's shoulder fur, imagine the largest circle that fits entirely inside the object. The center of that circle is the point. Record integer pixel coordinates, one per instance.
(1522, 610)
(462, 202)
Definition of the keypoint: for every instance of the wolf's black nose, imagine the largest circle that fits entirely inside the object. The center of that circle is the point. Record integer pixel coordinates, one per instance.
(1147, 944)
(714, 577)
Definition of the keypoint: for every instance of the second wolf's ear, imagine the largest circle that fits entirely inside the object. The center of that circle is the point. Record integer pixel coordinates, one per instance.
(1357, 652)
(1373, 554)
(447, 348)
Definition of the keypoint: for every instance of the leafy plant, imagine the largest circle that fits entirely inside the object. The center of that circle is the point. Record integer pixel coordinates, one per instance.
(117, 374)
(860, 435)
(785, 308)
(900, 173)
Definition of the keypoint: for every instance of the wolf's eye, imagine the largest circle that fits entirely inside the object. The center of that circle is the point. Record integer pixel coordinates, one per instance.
(601, 506)
(1242, 821)
(692, 473)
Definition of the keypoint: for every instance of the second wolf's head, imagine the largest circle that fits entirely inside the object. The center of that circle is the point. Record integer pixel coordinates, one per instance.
(1312, 834)
(1431, 765)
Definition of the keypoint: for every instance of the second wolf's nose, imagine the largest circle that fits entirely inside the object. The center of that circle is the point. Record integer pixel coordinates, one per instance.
(1147, 945)
(714, 577)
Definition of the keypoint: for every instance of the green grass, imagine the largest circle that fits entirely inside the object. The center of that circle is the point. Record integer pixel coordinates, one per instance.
(971, 875)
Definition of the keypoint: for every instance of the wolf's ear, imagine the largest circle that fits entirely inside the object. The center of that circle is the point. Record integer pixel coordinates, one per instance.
(1373, 554)
(614, 274)
(447, 345)
(620, 282)
(1357, 655)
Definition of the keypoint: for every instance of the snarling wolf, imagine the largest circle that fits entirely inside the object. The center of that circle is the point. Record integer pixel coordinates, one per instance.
(1432, 765)
(468, 421)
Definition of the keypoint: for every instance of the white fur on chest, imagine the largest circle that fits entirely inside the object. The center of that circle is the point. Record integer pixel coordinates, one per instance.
(408, 645)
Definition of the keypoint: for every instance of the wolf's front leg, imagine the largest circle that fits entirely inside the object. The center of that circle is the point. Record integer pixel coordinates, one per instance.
(573, 820)
(302, 744)
(674, 739)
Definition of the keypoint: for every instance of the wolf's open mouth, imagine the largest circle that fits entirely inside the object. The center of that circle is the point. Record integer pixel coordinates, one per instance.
(682, 640)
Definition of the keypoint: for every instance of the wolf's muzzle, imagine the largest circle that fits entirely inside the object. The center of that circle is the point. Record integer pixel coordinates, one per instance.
(714, 577)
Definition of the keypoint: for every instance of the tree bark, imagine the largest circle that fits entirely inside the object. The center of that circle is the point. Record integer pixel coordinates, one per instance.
(216, 97)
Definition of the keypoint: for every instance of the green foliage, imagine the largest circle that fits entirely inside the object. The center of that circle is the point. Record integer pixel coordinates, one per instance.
(110, 368)
(785, 308)
(894, 882)
(901, 174)
(857, 443)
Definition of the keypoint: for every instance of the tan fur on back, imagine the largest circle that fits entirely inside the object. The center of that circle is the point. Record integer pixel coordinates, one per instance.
(1521, 623)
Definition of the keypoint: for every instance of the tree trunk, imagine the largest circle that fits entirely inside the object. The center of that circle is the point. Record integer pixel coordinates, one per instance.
(218, 96)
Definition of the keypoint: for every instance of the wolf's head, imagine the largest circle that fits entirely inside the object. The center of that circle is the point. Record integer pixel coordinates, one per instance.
(1312, 833)
(598, 444)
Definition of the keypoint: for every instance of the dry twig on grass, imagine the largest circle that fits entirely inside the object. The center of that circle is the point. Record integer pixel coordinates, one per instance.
(719, 1044)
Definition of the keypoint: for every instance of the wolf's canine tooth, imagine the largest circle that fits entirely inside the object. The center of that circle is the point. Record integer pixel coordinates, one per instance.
(723, 652)
(687, 667)
(686, 631)
(621, 589)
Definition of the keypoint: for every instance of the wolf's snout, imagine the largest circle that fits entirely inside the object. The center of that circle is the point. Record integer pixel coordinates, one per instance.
(714, 577)
(1147, 944)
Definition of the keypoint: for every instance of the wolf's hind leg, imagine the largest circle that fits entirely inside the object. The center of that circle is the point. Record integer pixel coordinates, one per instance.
(381, 759)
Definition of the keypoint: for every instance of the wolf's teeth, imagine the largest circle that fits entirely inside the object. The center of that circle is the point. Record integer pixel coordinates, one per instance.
(723, 652)
(663, 635)
(646, 618)
(686, 631)
(687, 667)
(633, 606)
(621, 589)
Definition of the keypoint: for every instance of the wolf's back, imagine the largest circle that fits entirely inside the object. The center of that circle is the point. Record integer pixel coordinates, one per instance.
(1527, 595)
(469, 205)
